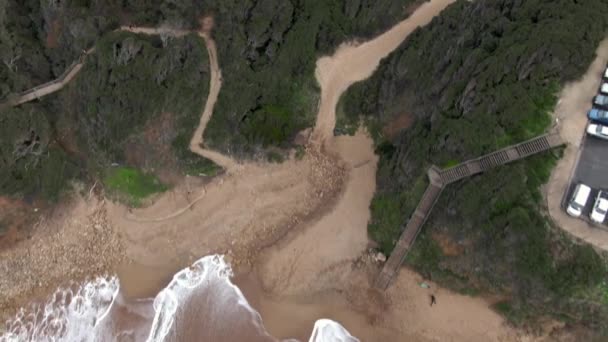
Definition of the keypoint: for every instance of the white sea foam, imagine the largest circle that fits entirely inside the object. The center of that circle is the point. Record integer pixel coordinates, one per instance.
(326, 330)
(202, 291)
(208, 277)
(69, 315)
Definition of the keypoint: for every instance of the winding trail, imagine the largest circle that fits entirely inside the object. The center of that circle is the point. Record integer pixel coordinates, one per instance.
(196, 143)
(215, 83)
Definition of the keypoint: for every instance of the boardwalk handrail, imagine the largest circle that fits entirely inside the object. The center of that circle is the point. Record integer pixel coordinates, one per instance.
(25, 96)
(441, 178)
(513, 152)
(14, 100)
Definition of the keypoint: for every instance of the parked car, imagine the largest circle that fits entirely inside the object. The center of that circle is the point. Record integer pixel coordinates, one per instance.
(578, 200)
(601, 101)
(597, 130)
(606, 73)
(604, 88)
(600, 208)
(599, 115)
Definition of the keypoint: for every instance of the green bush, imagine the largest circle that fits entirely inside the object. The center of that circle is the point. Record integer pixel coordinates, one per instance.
(31, 161)
(132, 185)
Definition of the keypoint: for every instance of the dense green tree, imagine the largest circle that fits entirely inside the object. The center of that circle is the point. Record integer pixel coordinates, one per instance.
(482, 75)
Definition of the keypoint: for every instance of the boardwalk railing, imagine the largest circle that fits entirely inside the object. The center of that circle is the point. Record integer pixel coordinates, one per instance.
(500, 157)
(438, 179)
(72, 70)
(45, 88)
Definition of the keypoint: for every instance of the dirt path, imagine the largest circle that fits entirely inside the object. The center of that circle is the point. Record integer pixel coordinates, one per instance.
(215, 83)
(575, 100)
(352, 63)
(324, 267)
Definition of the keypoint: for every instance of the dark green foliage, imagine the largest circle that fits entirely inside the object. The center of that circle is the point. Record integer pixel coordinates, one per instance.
(31, 162)
(516, 315)
(582, 270)
(128, 82)
(39, 39)
(270, 125)
(124, 86)
(475, 86)
(267, 52)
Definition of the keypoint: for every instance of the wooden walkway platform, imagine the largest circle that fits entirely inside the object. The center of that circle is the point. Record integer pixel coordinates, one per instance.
(438, 179)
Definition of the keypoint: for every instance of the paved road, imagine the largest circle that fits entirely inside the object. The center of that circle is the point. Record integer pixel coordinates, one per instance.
(592, 169)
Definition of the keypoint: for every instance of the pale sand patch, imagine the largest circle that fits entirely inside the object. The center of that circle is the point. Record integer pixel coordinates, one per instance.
(340, 236)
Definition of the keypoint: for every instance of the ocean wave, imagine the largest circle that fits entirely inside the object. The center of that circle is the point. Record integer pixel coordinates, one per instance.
(73, 314)
(199, 304)
(326, 330)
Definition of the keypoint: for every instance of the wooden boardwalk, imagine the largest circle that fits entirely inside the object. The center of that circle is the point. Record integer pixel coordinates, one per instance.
(438, 179)
(73, 69)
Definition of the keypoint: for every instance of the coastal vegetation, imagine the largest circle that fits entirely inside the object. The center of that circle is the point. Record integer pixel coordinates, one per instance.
(131, 185)
(268, 51)
(474, 86)
(138, 94)
(136, 101)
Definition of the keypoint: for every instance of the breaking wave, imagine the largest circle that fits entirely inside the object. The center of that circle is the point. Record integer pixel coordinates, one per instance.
(199, 304)
(75, 313)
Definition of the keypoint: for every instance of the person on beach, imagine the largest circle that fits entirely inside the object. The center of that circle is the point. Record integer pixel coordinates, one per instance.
(433, 300)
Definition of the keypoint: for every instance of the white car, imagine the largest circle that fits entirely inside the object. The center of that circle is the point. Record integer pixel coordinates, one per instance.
(598, 130)
(578, 200)
(600, 208)
(604, 88)
(606, 73)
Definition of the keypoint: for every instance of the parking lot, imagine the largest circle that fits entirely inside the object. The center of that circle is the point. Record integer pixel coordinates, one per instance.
(592, 170)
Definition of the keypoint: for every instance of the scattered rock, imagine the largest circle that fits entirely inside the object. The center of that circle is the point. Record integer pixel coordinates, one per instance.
(380, 257)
